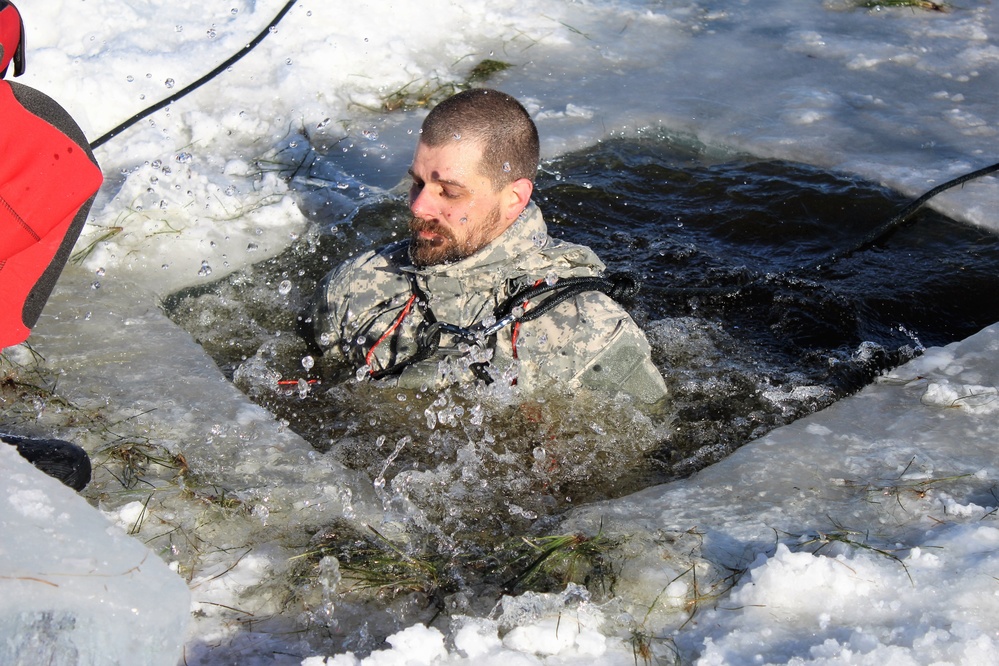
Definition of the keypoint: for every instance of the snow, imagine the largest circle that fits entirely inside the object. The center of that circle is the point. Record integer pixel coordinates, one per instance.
(861, 534)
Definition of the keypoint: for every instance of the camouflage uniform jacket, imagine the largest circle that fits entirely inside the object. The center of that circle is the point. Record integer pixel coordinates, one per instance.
(586, 341)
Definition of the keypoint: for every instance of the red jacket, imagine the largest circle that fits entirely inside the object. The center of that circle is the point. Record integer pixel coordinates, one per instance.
(48, 180)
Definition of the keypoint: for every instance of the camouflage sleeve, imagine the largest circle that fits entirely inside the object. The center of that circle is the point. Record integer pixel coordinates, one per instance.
(330, 306)
(590, 341)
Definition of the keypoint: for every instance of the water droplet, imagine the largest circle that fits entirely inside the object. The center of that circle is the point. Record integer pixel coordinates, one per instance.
(551, 278)
(206, 270)
(506, 167)
(308, 362)
(360, 340)
(184, 157)
(95, 285)
(100, 272)
(169, 83)
(284, 287)
(229, 191)
(540, 239)
(211, 33)
(324, 123)
(463, 220)
(130, 78)
(252, 247)
(457, 136)
(178, 28)
(362, 373)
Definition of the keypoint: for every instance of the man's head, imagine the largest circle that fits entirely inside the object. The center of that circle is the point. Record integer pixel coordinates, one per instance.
(11, 39)
(472, 174)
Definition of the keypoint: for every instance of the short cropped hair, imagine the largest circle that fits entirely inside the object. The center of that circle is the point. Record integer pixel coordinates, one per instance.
(509, 138)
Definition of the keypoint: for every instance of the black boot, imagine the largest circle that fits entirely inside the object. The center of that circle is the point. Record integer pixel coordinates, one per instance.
(59, 459)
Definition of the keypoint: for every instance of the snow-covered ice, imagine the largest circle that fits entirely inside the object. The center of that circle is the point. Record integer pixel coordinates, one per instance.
(862, 534)
(77, 589)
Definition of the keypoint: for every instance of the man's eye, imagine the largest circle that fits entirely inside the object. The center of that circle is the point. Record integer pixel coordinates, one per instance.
(450, 194)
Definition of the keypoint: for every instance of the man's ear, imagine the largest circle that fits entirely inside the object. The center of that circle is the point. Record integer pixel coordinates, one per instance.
(518, 196)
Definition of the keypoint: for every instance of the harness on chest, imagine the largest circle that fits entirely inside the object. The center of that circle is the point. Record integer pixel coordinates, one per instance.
(512, 312)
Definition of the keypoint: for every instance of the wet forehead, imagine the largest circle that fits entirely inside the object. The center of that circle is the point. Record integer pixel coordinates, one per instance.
(457, 162)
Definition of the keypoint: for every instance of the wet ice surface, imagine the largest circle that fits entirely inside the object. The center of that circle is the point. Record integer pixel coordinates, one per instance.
(902, 97)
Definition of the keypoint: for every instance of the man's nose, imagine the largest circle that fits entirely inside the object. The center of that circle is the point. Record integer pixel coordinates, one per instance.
(421, 204)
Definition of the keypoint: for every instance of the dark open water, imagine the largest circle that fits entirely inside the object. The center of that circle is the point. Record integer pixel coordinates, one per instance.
(748, 334)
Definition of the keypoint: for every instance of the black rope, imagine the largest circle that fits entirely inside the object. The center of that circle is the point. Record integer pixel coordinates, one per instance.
(875, 236)
(903, 216)
(204, 79)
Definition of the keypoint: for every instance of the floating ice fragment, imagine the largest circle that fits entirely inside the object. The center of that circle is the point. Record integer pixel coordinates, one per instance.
(284, 287)
(519, 511)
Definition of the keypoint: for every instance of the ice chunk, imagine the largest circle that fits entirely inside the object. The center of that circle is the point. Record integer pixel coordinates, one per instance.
(75, 589)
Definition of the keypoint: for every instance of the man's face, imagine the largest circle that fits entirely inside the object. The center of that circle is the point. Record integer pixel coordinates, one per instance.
(456, 211)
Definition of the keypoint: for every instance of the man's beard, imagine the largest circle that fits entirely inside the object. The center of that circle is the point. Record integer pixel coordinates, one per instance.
(445, 248)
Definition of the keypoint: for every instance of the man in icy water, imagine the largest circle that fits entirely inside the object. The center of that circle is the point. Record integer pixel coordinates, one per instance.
(467, 296)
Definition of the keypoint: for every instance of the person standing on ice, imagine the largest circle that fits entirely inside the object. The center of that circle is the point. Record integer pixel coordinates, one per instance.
(48, 180)
(480, 290)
